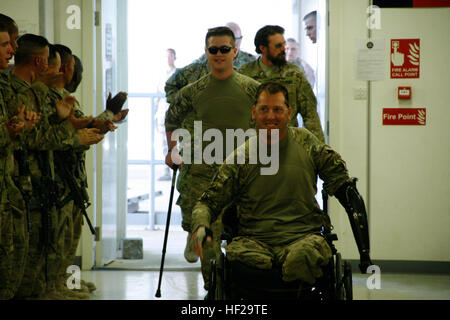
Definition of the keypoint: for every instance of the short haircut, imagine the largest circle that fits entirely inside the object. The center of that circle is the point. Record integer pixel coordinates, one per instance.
(52, 54)
(3, 27)
(65, 53)
(312, 14)
(77, 76)
(294, 41)
(29, 45)
(263, 34)
(273, 88)
(8, 24)
(173, 52)
(220, 31)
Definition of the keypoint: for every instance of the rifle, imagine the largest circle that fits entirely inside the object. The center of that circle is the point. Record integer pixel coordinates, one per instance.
(24, 181)
(46, 191)
(76, 192)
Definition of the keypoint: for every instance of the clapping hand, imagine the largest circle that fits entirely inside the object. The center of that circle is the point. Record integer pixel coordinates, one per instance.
(115, 104)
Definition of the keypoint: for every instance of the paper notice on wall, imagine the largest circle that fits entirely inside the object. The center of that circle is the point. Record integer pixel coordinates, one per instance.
(370, 59)
(26, 26)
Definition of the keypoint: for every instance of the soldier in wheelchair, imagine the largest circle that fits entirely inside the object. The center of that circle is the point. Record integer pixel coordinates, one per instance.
(281, 242)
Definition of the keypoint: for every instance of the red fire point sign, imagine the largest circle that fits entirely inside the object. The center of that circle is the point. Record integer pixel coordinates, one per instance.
(405, 58)
(405, 116)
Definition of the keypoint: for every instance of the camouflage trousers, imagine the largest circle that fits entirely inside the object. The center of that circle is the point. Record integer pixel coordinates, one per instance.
(72, 238)
(302, 259)
(39, 257)
(13, 249)
(67, 236)
(191, 183)
(191, 188)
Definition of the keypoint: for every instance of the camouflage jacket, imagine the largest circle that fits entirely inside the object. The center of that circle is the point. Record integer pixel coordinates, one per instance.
(275, 208)
(74, 158)
(6, 144)
(301, 97)
(44, 136)
(183, 112)
(38, 144)
(194, 71)
(184, 76)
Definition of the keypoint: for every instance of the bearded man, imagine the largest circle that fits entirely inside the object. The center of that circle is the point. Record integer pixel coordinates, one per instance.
(273, 67)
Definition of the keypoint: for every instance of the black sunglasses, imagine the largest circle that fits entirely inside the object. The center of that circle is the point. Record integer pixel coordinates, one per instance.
(222, 49)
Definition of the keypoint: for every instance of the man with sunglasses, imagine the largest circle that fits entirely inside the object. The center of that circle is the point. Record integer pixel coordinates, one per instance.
(221, 100)
(199, 67)
(272, 66)
(242, 57)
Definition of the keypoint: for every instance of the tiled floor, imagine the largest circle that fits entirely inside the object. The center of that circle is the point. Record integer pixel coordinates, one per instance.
(188, 285)
(183, 281)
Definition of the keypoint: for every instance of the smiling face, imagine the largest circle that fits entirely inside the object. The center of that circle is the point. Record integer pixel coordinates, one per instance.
(271, 112)
(220, 62)
(6, 50)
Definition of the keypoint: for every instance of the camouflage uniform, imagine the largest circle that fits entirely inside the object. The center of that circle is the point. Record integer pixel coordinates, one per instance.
(218, 104)
(13, 237)
(37, 145)
(70, 215)
(182, 77)
(194, 71)
(301, 97)
(67, 213)
(278, 217)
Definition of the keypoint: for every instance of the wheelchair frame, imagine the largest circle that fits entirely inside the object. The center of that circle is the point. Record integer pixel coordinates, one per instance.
(335, 284)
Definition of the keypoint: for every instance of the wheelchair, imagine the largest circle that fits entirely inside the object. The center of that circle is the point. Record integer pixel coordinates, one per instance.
(233, 280)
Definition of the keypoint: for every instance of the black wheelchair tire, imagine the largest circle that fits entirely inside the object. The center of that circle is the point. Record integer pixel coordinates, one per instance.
(348, 281)
(212, 281)
(339, 275)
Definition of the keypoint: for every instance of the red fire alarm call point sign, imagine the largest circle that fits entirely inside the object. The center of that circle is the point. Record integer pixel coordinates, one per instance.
(405, 58)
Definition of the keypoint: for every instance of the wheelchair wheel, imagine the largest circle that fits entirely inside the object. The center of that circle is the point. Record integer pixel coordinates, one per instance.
(212, 281)
(348, 281)
(220, 278)
(339, 276)
(344, 281)
(217, 280)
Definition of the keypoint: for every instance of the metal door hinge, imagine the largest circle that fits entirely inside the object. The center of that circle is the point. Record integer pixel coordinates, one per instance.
(97, 234)
(97, 18)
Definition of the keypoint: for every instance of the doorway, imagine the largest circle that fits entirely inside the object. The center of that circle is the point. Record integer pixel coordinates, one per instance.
(154, 27)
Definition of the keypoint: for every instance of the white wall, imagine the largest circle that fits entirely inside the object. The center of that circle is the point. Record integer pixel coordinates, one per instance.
(404, 170)
(27, 20)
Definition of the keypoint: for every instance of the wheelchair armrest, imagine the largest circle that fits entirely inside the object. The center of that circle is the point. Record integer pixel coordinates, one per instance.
(331, 237)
